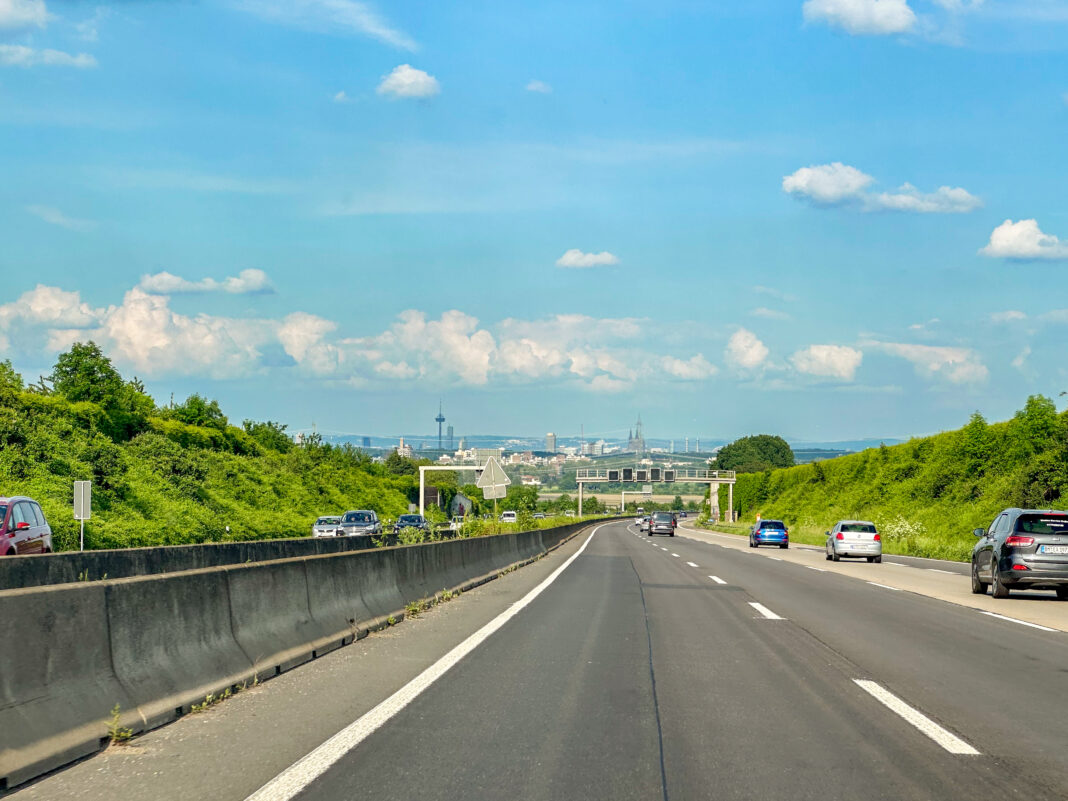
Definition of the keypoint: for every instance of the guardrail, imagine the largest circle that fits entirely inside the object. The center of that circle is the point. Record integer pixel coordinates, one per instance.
(154, 645)
(680, 475)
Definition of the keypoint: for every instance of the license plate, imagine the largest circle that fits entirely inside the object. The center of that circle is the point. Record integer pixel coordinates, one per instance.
(1053, 549)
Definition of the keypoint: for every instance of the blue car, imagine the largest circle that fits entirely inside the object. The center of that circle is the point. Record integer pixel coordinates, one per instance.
(769, 532)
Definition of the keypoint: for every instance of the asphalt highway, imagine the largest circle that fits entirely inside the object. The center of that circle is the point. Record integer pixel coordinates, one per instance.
(670, 668)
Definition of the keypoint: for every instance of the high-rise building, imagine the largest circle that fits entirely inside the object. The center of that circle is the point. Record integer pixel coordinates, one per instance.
(550, 442)
(448, 438)
(367, 442)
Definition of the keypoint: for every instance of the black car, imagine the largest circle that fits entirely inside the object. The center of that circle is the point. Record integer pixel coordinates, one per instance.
(662, 523)
(1023, 549)
(411, 521)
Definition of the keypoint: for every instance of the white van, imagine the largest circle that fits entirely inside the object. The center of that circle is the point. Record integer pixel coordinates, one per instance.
(508, 517)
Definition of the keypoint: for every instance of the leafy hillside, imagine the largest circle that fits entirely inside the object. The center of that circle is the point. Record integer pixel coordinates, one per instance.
(171, 475)
(926, 495)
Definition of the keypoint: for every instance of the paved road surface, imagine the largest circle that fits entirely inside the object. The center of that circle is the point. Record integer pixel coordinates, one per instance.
(666, 668)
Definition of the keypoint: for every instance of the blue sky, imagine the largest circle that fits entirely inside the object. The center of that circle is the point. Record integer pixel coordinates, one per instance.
(828, 219)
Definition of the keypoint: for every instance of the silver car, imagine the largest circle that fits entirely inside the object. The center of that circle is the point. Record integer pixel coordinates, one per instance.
(360, 523)
(326, 526)
(857, 538)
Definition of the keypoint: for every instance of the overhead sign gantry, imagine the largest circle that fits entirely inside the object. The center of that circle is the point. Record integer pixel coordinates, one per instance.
(661, 475)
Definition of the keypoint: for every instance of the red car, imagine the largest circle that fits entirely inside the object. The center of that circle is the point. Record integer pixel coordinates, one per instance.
(23, 528)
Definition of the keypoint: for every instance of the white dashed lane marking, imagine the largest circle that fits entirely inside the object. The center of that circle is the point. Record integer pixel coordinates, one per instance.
(944, 738)
(767, 613)
(717, 579)
(691, 564)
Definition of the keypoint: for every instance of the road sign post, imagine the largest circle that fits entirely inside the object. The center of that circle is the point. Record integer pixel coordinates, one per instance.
(494, 484)
(83, 507)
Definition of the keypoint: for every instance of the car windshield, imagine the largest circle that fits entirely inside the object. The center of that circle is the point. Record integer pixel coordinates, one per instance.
(1043, 524)
(662, 516)
(777, 524)
(328, 521)
(358, 517)
(859, 528)
(412, 520)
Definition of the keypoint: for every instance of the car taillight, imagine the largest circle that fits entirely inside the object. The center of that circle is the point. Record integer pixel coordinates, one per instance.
(1016, 541)
(878, 538)
(839, 536)
(1020, 567)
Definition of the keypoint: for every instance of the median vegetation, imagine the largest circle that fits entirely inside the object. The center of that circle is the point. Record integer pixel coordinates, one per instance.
(925, 495)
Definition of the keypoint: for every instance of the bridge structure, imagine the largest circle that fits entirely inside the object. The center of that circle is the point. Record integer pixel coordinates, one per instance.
(661, 475)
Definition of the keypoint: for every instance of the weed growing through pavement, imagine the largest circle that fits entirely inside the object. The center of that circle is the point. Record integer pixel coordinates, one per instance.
(117, 733)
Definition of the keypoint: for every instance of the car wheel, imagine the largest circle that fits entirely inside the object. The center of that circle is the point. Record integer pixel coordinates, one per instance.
(870, 559)
(978, 587)
(828, 555)
(785, 545)
(997, 589)
(648, 533)
(878, 559)
(752, 544)
(672, 534)
(834, 555)
(1062, 592)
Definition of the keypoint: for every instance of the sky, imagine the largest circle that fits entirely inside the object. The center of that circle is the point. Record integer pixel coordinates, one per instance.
(825, 219)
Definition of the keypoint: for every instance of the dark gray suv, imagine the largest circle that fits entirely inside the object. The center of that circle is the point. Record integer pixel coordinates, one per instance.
(662, 523)
(1022, 549)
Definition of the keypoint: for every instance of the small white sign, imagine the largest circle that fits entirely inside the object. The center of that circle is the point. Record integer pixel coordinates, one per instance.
(83, 505)
(494, 481)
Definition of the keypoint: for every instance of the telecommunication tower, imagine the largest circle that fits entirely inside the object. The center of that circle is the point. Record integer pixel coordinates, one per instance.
(439, 419)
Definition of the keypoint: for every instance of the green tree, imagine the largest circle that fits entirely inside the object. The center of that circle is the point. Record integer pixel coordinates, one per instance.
(85, 374)
(400, 465)
(199, 411)
(755, 454)
(677, 503)
(270, 435)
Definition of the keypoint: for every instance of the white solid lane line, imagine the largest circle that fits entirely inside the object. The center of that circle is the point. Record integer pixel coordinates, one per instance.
(765, 611)
(294, 779)
(884, 586)
(1021, 622)
(936, 570)
(777, 559)
(898, 564)
(691, 564)
(717, 579)
(812, 567)
(944, 738)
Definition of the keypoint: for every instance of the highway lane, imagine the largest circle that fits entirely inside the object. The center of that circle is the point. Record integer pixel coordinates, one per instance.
(659, 667)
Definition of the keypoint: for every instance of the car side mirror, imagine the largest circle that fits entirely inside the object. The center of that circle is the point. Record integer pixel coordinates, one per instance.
(979, 532)
(22, 526)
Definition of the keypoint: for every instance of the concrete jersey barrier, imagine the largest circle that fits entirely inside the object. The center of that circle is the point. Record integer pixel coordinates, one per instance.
(154, 645)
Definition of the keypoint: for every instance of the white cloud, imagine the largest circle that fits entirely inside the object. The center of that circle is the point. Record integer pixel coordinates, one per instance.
(1007, 316)
(22, 56)
(540, 87)
(247, 282)
(839, 184)
(54, 216)
(830, 361)
(1024, 240)
(23, 14)
(1020, 361)
(303, 337)
(745, 350)
(692, 369)
(870, 17)
(330, 16)
(778, 294)
(957, 365)
(576, 258)
(144, 333)
(48, 306)
(407, 81)
(191, 181)
(944, 200)
(341, 97)
(827, 184)
(770, 314)
(89, 29)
